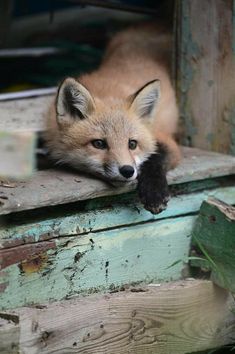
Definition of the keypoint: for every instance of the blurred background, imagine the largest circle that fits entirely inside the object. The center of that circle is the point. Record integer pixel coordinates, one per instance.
(43, 41)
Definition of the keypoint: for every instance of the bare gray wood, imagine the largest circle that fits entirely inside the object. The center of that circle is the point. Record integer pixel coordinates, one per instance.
(181, 317)
(9, 334)
(24, 114)
(17, 158)
(206, 73)
(53, 187)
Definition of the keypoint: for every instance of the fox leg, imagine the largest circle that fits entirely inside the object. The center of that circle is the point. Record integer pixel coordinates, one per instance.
(152, 183)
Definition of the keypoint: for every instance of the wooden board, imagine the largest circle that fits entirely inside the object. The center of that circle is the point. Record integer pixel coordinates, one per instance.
(206, 73)
(16, 155)
(182, 317)
(9, 334)
(53, 187)
(59, 254)
(37, 228)
(95, 262)
(214, 236)
(24, 114)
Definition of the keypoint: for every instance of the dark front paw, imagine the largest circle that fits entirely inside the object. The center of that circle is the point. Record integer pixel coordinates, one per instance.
(154, 198)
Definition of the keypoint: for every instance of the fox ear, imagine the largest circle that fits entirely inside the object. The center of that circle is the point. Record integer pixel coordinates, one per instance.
(145, 101)
(73, 101)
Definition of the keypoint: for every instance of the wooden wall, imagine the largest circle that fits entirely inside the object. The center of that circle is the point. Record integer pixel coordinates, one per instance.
(205, 67)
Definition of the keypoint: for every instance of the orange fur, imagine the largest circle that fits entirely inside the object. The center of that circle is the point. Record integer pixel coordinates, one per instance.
(133, 58)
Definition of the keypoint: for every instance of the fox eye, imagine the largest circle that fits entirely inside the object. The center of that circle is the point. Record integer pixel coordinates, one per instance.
(132, 144)
(99, 144)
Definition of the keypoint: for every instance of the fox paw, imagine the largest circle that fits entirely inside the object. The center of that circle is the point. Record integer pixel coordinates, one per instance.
(154, 200)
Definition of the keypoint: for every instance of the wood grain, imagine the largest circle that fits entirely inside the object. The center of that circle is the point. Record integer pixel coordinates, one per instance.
(181, 317)
(206, 73)
(53, 187)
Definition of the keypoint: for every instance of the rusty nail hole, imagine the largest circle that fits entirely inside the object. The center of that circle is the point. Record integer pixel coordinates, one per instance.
(77, 256)
(46, 335)
(212, 218)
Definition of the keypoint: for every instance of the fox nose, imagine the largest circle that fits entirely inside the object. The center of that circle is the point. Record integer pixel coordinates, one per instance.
(126, 171)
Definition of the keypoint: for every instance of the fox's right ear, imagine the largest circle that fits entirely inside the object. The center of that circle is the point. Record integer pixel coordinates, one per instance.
(73, 102)
(146, 100)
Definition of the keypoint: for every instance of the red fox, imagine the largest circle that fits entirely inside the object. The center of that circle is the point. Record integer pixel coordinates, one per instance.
(118, 122)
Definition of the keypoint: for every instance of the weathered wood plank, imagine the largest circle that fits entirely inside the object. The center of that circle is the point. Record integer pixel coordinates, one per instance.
(16, 155)
(177, 318)
(206, 73)
(52, 187)
(67, 222)
(98, 261)
(214, 235)
(25, 114)
(9, 334)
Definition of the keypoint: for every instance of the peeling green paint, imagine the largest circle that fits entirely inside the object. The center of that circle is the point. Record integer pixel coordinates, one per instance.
(142, 253)
(108, 256)
(107, 217)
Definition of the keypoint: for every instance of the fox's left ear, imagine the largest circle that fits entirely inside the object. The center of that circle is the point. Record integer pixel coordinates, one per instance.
(145, 101)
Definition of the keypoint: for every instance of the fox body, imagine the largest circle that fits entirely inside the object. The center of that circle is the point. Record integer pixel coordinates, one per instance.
(118, 122)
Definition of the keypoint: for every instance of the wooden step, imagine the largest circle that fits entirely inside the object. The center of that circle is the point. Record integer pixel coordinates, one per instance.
(181, 317)
(54, 187)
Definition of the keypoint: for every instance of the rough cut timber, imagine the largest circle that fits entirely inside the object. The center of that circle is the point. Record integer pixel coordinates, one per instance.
(214, 236)
(205, 63)
(53, 187)
(181, 317)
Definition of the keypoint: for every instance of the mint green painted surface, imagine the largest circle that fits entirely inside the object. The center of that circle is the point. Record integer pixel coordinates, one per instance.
(101, 261)
(214, 237)
(104, 218)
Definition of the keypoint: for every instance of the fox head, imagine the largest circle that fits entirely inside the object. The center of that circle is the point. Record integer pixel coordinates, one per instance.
(107, 139)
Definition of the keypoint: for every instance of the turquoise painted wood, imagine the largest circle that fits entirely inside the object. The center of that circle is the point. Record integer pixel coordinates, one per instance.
(99, 261)
(98, 250)
(115, 215)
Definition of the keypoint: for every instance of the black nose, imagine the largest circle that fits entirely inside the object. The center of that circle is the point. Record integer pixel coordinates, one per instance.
(126, 171)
